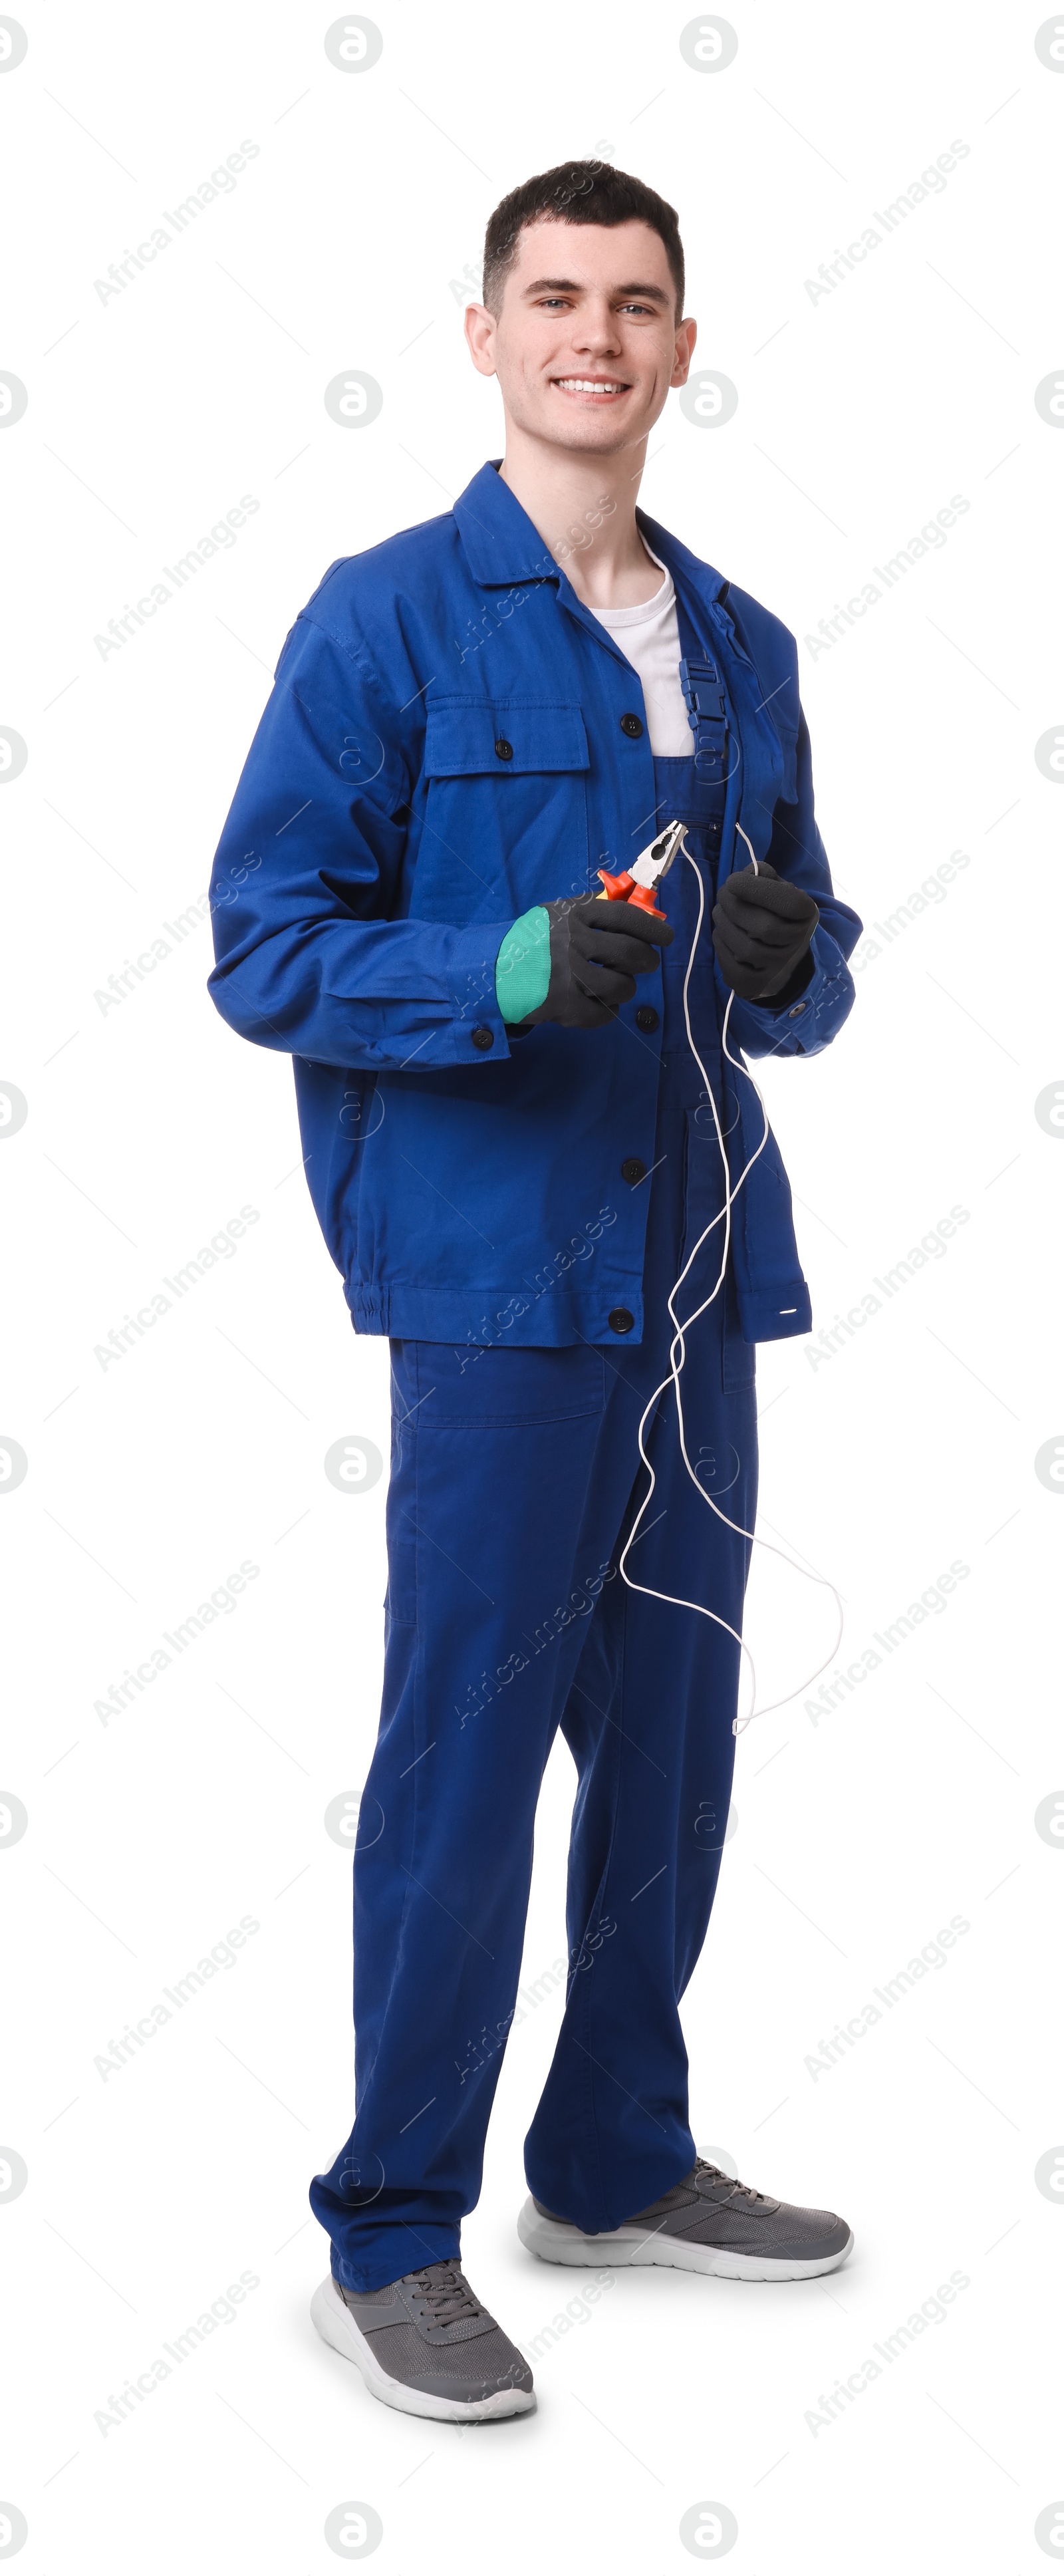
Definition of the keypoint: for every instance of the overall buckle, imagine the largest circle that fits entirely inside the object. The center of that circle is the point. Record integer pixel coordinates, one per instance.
(706, 714)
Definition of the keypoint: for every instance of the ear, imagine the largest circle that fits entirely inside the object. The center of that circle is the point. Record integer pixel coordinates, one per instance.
(686, 335)
(479, 326)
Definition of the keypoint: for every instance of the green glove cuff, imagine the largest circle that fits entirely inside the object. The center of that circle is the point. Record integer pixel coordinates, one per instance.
(522, 967)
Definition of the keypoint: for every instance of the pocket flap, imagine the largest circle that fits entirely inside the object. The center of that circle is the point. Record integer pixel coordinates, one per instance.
(461, 735)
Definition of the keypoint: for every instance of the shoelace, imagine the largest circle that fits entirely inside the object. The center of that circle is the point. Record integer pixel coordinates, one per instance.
(446, 2293)
(749, 2188)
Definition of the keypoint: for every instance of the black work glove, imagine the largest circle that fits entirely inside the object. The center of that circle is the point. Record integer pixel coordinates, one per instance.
(596, 951)
(762, 927)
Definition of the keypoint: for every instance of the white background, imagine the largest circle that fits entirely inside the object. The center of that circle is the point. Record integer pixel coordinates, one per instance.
(348, 243)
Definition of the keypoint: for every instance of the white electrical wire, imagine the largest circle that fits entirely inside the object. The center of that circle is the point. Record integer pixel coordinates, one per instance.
(679, 1347)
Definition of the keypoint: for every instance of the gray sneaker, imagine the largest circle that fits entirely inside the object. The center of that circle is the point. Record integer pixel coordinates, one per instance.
(706, 2223)
(426, 2345)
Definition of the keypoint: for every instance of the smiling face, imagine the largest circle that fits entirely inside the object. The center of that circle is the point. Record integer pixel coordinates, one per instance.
(586, 344)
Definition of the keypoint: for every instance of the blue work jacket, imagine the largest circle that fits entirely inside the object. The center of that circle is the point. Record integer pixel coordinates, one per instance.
(450, 740)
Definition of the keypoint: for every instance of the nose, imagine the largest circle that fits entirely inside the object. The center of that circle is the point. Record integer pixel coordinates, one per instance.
(597, 331)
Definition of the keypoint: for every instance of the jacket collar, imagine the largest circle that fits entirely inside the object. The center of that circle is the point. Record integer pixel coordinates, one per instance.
(499, 540)
(683, 565)
(501, 545)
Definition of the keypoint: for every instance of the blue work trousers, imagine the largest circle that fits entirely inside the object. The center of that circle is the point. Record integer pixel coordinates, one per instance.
(515, 1480)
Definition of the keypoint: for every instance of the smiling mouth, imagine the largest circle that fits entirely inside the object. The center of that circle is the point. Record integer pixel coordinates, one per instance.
(599, 387)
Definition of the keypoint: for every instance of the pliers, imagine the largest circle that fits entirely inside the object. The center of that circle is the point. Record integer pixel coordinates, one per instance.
(638, 884)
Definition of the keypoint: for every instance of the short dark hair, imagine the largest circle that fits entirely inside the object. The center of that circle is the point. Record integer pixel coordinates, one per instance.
(578, 192)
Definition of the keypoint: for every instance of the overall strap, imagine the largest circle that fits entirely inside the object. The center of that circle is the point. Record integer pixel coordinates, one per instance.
(707, 711)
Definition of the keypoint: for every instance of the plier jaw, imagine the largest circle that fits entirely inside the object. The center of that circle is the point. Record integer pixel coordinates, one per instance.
(639, 883)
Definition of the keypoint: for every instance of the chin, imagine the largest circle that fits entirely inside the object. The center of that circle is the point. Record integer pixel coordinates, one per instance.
(603, 435)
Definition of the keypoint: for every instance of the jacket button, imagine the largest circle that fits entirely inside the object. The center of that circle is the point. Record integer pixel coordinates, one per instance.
(620, 1321)
(631, 725)
(646, 1016)
(633, 1170)
(796, 1012)
(504, 750)
(483, 1039)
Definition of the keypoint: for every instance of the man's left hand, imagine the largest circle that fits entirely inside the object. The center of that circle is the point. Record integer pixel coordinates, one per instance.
(762, 927)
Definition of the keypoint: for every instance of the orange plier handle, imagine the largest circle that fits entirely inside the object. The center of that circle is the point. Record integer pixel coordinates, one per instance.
(623, 889)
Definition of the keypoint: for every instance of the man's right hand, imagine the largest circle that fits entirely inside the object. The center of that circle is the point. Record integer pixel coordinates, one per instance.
(596, 951)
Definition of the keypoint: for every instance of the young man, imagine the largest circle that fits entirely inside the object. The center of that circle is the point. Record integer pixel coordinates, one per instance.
(512, 1153)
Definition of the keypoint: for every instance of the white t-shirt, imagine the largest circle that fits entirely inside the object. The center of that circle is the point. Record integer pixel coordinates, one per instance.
(649, 636)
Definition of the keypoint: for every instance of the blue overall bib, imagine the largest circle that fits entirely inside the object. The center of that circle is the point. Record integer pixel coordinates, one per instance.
(515, 1479)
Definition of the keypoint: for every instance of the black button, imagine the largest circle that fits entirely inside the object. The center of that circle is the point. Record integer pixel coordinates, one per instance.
(633, 1170)
(646, 1016)
(483, 1039)
(504, 750)
(631, 725)
(621, 1321)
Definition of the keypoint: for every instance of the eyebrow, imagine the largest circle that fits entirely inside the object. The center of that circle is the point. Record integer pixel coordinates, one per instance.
(569, 286)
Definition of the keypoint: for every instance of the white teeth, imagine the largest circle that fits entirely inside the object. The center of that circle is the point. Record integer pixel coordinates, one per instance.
(586, 385)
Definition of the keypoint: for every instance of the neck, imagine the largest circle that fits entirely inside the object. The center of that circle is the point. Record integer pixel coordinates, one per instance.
(584, 509)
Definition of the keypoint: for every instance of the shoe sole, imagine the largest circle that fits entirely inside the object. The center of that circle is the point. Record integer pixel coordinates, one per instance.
(337, 2327)
(555, 2242)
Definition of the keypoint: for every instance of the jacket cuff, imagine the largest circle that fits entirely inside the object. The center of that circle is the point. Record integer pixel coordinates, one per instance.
(804, 1025)
(478, 1030)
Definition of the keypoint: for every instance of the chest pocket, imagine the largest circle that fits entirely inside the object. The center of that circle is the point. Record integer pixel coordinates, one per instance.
(506, 809)
(503, 736)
